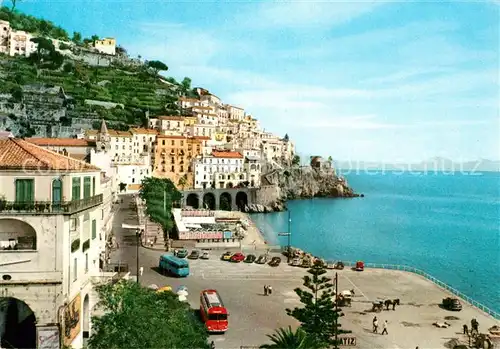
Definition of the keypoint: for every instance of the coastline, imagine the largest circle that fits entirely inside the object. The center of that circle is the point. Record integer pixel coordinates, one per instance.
(254, 237)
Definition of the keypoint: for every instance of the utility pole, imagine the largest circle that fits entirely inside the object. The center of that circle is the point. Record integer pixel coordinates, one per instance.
(138, 237)
(165, 211)
(289, 235)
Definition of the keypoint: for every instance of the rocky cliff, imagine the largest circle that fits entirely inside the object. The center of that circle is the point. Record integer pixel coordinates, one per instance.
(301, 183)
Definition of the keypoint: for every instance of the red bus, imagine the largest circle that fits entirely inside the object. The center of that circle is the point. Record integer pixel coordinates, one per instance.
(213, 312)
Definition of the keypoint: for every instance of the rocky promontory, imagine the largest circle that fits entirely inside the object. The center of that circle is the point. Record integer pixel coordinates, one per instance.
(305, 182)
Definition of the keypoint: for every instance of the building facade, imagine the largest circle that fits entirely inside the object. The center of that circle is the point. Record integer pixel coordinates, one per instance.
(106, 46)
(223, 169)
(50, 218)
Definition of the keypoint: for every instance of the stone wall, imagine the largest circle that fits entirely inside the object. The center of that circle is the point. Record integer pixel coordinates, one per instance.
(268, 195)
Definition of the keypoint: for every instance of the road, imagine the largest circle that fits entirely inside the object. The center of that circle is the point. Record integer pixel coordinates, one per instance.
(253, 315)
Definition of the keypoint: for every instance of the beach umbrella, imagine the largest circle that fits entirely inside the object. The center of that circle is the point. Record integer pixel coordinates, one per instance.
(182, 288)
(153, 287)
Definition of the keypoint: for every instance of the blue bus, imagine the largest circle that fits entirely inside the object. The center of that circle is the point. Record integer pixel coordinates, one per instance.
(173, 265)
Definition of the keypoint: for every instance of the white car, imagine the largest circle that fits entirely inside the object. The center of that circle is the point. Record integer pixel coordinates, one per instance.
(205, 255)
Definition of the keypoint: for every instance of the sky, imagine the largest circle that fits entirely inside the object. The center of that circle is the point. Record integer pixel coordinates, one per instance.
(355, 80)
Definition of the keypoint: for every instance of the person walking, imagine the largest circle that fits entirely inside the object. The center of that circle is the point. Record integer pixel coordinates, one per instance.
(375, 325)
(141, 271)
(265, 290)
(466, 329)
(384, 330)
(212, 345)
(269, 289)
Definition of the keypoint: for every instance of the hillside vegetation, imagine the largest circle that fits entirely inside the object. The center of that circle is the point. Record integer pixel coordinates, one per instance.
(137, 87)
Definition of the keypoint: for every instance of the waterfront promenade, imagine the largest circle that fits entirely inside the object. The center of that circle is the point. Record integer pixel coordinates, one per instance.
(253, 315)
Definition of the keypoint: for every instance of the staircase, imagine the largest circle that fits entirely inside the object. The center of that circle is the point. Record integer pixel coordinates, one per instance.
(151, 230)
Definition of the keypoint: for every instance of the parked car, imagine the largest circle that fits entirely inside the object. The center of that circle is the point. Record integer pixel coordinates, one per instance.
(330, 265)
(205, 255)
(195, 254)
(226, 256)
(182, 253)
(262, 259)
(275, 261)
(296, 262)
(237, 257)
(339, 265)
(452, 304)
(250, 258)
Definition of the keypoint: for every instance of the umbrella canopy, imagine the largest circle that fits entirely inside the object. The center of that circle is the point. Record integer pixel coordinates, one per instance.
(153, 287)
(183, 298)
(182, 293)
(164, 288)
(182, 288)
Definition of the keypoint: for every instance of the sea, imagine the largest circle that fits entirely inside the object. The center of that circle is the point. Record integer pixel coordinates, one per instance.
(446, 224)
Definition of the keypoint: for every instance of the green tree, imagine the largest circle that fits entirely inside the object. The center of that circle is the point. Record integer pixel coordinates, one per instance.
(318, 317)
(17, 94)
(182, 181)
(13, 4)
(137, 317)
(185, 86)
(296, 160)
(160, 195)
(77, 37)
(94, 37)
(157, 66)
(289, 339)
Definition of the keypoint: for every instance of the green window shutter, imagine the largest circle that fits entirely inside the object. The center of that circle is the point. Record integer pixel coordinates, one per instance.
(86, 187)
(94, 229)
(25, 190)
(93, 186)
(76, 188)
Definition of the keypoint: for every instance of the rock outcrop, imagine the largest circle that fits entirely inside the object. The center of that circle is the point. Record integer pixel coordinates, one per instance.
(303, 183)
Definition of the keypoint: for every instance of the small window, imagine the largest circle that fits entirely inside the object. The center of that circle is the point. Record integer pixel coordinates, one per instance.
(75, 269)
(94, 228)
(173, 169)
(86, 262)
(173, 142)
(163, 142)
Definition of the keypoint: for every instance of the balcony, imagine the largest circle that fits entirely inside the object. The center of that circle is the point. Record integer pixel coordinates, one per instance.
(47, 207)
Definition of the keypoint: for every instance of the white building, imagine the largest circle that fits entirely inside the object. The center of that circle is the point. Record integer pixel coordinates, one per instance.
(223, 169)
(235, 113)
(171, 125)
(4, 37)
(50, 219)
(106, 46)
(20, 43)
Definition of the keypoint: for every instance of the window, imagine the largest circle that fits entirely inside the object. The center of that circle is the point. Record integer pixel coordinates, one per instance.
(86, 187)
(133, 171)
(76, 188)
(86, 262)
(75, 269)
(173, 169)
(94, 229)
(163, 142)
(182, 168)
(182, 143)
(133, 180)
(25, 190)
(173, 142)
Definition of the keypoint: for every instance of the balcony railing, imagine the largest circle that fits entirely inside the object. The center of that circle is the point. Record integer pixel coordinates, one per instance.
(48, 207)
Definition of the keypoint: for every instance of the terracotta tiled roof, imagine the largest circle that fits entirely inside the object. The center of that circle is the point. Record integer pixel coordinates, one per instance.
(203, 138)
(171, 118)
(18, 154)
(227, 154)
(146, 131)
(134, 186)
(184, 99)
(91, 132)
(171, 137)
(115, 133)
(62, 142)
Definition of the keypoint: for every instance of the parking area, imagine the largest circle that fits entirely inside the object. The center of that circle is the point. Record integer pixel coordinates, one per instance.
(253, 315)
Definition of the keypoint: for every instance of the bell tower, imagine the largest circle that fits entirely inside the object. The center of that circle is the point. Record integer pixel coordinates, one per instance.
(103, 140)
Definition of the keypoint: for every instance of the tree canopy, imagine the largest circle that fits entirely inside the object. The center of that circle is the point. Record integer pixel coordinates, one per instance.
(137, 317)
(157, 66)
(296, 160)
(318, 317)
(46, 55)
(160, 195)
(289, 339)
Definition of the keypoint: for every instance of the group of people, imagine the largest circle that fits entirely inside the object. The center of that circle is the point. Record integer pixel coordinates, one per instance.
(474, 327)
(268, 290)
(375, 326)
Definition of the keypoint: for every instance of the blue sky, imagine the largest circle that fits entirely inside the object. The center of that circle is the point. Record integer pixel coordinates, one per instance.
(358, 80)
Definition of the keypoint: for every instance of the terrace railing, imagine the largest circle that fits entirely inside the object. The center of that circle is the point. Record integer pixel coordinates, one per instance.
(48, 207)
(431, 278)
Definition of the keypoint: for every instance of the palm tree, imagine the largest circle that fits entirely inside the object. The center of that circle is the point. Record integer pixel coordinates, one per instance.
(286, 338)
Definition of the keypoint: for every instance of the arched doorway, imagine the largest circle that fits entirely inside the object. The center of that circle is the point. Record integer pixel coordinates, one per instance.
(86, 317)
(225, 201)
(17, 235)
(192, 200)
(17, 324)
(209, 201)
(241, 200)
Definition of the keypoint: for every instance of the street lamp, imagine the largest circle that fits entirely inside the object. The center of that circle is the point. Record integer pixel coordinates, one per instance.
(138, 234)
(289, 234)
(336, 321)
